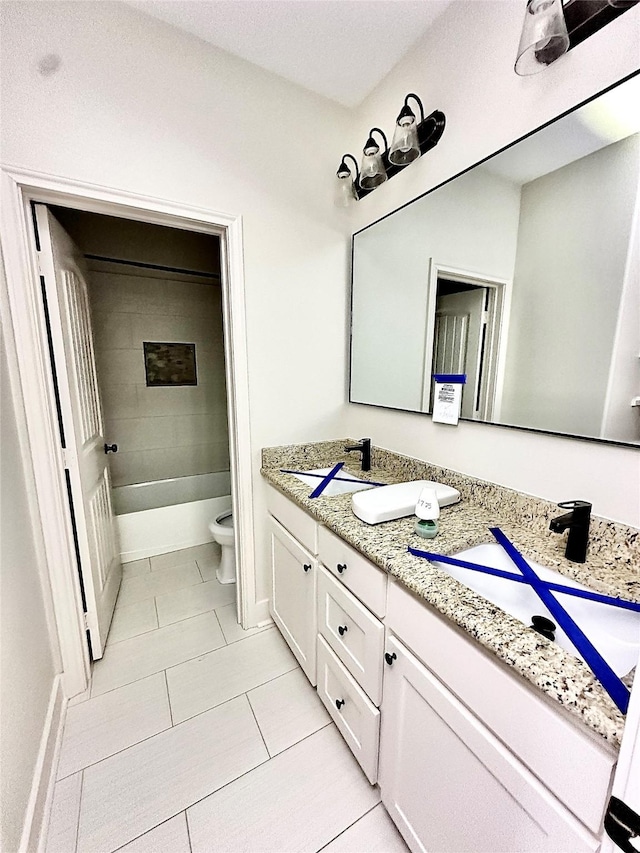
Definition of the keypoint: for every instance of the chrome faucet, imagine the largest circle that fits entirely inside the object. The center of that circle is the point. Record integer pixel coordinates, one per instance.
(577, 521)
(365, 448)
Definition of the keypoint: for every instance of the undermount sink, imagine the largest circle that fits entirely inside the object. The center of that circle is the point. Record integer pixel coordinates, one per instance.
(614, 632)
(343, 483)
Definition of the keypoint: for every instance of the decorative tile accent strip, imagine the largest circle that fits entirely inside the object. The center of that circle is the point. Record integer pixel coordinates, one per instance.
(612, 567)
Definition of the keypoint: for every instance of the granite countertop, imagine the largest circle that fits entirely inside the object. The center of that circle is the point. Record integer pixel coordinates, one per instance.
(612, 567)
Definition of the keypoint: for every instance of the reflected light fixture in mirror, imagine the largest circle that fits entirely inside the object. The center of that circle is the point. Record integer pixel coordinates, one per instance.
(345, 182)
(405, 147)
(544, 36)
(372, 169)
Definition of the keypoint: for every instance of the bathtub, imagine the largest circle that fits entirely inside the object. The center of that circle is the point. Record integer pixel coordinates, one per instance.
(167, 515)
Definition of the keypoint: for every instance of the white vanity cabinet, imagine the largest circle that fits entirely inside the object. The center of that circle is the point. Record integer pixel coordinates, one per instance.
(293, 540)
(450, 785)
(468, 756)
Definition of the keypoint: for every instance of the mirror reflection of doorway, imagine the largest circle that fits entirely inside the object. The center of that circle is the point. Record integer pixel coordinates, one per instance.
(460, 337)
(467, 323)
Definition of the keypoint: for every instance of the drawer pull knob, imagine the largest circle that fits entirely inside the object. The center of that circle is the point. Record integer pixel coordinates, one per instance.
(307, 567)
(342, 630)
(390, 657)
(339, 703)
(341, 567)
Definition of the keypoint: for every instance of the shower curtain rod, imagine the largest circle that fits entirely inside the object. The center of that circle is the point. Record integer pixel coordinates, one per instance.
(152, 266)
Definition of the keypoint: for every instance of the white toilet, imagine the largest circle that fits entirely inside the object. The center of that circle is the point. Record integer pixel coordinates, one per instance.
(222, 531)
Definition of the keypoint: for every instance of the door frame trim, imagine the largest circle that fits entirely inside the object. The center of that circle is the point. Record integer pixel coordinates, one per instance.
(19, 188)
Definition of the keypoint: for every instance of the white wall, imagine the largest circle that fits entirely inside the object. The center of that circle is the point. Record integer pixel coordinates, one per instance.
(391, 278)
(568, 282)
(28, 654)
(464, 66)
(137, 105)
(161, 432)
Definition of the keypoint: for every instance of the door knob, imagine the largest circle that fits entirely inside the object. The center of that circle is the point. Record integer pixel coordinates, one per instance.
(390, 657)
(339, 703)
(307, 567)
(341, 567)
(342, 630)
(111, 448)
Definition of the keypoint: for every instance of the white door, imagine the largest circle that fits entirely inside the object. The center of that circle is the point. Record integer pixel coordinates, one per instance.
(87, 473)
(458, 341)
(626, 784)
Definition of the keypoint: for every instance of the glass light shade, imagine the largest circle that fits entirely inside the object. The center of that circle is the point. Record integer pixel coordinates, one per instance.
(372, 171)
(344, 190)
(544, 36)
(404, 147)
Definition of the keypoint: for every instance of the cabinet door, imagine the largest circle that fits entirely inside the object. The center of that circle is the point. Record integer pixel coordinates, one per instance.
(293, 596)
(450, 785)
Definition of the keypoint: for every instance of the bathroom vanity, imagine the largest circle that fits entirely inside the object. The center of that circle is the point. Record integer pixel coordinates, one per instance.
(481, 734)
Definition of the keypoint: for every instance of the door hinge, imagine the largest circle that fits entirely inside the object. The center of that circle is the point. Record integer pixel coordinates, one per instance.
(622, 825)
(485, 317)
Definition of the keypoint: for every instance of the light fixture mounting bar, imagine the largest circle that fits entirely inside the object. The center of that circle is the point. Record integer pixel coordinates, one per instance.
(585, 17)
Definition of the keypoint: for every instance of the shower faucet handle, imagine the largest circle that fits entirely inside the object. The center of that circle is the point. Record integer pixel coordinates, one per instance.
(111, 448)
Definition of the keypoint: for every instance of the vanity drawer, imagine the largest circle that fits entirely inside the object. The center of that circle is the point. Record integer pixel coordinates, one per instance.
(294, 519)
(352, 712)
(366, 581)
(542, 737)
(353, 633)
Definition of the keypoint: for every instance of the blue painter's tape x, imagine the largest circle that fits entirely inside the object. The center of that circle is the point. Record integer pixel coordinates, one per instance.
(601, 669)
(322, 476)
(319, 489)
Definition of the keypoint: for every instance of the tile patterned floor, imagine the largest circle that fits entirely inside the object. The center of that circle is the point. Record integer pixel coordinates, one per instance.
(198, 737)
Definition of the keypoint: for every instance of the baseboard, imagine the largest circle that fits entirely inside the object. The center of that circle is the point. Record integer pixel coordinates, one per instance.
(39, 804)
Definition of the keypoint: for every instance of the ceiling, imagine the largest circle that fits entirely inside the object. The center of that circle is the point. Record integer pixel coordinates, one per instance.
(337, 48)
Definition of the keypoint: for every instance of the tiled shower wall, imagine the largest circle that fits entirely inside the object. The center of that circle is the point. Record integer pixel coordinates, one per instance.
(169, 431)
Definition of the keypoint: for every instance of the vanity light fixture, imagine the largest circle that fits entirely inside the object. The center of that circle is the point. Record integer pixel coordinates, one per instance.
(372, 169)
(405, 147)
(544, 36)
(410, 141)
(553, 27)
(346, 183)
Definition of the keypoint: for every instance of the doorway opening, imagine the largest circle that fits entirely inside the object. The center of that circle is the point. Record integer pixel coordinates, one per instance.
(147, 404)
(466, 337)
(30, 355)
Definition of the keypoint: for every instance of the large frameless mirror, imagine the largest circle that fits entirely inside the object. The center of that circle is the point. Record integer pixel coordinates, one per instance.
(522, 273)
